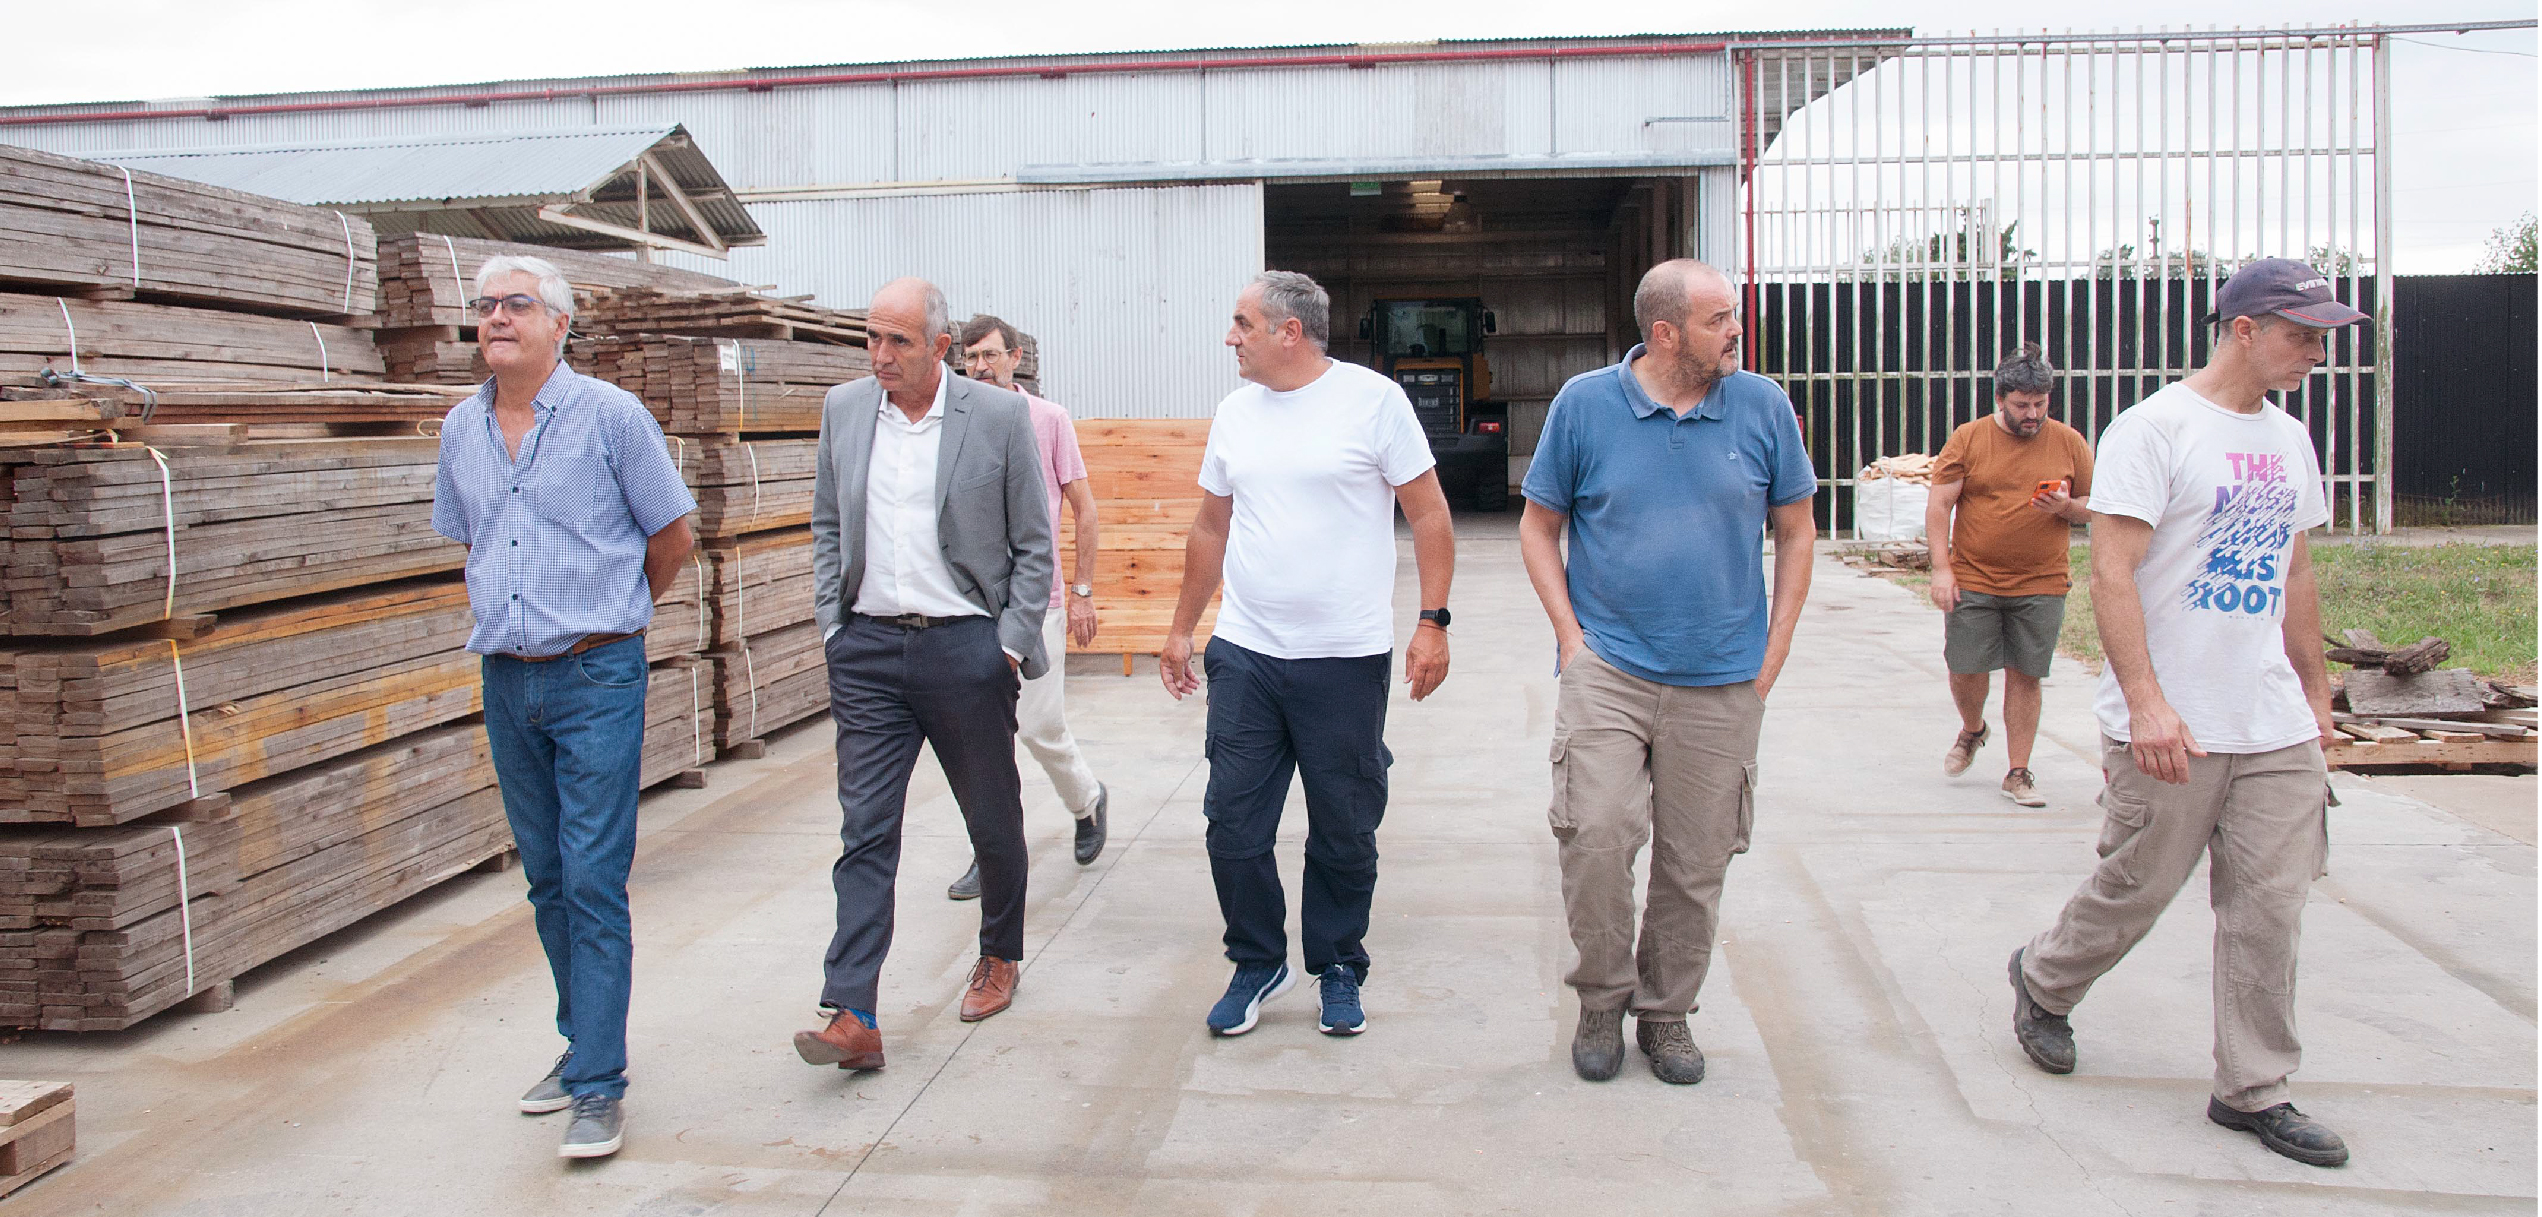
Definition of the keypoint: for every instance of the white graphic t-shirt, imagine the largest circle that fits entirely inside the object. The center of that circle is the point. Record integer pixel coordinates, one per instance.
(2226, 494)
(1310, 565)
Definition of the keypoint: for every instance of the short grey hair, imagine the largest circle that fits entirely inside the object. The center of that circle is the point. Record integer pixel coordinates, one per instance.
(1667, 293)
(1286, 294)
(553, 290)
(2026, 370)
(939, 314)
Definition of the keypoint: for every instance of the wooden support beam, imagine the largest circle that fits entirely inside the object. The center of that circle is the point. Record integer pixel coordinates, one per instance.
(558, 215)
(679, 198)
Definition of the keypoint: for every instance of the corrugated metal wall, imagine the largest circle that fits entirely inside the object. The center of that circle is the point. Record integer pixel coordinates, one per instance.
(1127, 289)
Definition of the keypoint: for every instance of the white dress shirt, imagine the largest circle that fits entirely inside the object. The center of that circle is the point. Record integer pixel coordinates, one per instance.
(904, 560)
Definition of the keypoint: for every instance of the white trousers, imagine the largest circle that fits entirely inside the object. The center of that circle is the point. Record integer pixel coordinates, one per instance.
(1041, 722)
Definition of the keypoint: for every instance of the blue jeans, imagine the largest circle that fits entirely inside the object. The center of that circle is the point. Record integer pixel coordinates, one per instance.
(567, 735)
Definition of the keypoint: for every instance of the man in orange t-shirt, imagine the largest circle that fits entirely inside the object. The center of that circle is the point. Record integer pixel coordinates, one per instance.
(2007, 491)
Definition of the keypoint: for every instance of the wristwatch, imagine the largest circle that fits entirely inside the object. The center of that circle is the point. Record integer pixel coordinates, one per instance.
(1082, 589)
(1437, 616)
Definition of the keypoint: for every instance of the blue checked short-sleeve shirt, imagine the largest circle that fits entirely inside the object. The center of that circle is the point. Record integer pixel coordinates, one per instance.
(556, 537)
(1667, 518)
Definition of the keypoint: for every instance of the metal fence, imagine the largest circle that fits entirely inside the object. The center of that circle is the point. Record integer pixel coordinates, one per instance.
(2084, 191)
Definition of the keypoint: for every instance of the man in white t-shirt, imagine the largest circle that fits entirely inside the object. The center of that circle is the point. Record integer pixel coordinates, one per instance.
(2215, 700)
(1304, 468)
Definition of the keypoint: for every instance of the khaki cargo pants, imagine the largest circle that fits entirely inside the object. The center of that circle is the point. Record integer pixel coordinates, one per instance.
(2261, 821)
(1638, 762)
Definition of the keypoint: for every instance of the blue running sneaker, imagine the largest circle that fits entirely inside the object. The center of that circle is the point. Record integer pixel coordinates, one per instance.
(1342, 1015)
(1236, 1013)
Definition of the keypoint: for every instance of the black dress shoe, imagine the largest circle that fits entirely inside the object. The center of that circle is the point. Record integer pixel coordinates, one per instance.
(2286, 1130)
(968, 886)
(1092, 830)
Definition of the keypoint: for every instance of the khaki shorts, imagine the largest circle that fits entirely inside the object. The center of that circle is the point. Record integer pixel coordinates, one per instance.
(1989, 632)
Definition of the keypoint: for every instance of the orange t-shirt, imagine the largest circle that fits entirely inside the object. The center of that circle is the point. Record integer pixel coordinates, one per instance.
(2000, 544)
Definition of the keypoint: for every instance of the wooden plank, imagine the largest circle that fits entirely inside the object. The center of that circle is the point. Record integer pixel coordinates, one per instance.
(2444, 692)
(2361, 755)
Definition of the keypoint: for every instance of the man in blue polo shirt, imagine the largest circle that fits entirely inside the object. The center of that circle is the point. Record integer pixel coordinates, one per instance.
(1664, 469)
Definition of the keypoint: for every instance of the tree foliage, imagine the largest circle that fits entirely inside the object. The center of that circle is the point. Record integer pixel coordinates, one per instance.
(2510, 249)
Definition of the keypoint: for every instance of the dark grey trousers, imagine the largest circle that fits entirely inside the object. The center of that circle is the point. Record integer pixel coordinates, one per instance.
(890, 688)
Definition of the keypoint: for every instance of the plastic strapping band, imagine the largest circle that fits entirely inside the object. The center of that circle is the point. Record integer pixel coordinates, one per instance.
(64, 305)
(704, 635)
(741, 594)
(185, 908)
(349, 260)
(185, 721)
(167, 504)
(696, 715)
(753, 454)
(323, 374)
(132, 212)
(457, 280)
(750, 672)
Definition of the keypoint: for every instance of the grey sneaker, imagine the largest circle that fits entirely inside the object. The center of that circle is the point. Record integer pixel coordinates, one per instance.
(598, 1128)
(2047, 1038)
(1674, 1057)
(1597, 1048)
(549, 1095)
(967, 887)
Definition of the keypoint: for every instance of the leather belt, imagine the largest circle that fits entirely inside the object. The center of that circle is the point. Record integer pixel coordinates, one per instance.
(918, 621)
(588, 642)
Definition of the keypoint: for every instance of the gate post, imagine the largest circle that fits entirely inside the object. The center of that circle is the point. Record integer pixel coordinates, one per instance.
(2385, 471)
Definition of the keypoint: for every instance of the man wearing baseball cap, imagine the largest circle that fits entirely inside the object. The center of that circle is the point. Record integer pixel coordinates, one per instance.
(2215, 699)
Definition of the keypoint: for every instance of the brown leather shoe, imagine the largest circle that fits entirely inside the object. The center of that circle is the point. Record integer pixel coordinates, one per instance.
(992, 988)
(846, 1043)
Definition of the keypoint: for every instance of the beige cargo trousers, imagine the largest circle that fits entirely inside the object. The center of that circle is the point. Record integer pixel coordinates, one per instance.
(2260, 820)
(1636, 762)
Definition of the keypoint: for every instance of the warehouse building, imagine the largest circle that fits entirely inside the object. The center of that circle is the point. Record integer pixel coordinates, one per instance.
(1114, 204)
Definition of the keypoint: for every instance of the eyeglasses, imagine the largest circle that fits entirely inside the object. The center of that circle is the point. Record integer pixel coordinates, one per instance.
(985, 356)
(516, 306)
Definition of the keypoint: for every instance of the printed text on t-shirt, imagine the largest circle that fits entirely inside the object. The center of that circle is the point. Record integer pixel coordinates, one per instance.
(2245, 539)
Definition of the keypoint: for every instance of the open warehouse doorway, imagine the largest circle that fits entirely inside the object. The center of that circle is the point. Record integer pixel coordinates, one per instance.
(1521, 282)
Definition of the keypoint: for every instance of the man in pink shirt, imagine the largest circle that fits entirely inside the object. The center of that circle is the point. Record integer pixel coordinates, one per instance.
(992, 352)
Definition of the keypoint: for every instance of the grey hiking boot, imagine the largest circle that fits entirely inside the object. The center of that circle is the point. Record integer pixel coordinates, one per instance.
(1674, 1057)
(2048, 1038)
(1597, 1048)
(549, 1095)
(598, 1128)
(2286, 1130)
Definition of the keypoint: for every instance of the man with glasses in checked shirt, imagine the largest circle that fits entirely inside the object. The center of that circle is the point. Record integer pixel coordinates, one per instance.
(575, 519)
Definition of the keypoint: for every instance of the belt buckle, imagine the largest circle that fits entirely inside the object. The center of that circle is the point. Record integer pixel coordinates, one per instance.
(910, 621)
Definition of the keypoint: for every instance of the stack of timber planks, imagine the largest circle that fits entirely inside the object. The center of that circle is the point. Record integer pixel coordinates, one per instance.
(428, 336)
(1145, 476)
(36, 1130)
(724, 386)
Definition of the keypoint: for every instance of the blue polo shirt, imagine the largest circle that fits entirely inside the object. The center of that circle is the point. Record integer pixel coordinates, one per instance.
(1668, 514)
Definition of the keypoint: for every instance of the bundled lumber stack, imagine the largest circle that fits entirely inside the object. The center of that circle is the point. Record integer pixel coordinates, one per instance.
(36, 1130)
(87, 228)
(1145, 475)
(310, 852)
(167, 346)
(100, 739)
(767, 654)
(427, 279)
(2399, 708)
(96, 410)
(684, 614)
(710, 386)
(749, 486)
(736, 312)
(92, 529)
(679, 724)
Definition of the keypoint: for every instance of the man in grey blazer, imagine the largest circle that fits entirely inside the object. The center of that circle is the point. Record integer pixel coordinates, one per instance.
(931, 563)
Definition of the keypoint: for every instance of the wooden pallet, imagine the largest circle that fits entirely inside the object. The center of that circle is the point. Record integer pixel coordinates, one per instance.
(2493, 737)
(37, 1130)
(1145, 477)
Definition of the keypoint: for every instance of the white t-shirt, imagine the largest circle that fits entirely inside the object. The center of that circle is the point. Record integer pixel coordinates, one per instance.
(1310, 568)
(2226, 494)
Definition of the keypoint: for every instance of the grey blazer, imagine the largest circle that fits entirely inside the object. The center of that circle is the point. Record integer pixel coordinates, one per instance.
(992, 513)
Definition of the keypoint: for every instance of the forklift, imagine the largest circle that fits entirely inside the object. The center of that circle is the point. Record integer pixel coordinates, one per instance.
(1433, 347)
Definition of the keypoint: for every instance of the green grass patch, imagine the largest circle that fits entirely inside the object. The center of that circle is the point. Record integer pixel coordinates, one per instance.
(2480, 598)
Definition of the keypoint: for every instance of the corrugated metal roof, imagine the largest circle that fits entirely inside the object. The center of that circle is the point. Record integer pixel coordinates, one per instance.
(480, 183)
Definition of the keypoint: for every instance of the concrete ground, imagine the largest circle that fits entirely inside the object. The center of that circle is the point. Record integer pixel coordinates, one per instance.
(1856, 1017)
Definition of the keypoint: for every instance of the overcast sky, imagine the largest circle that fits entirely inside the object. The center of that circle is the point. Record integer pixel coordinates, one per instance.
(2464, 106)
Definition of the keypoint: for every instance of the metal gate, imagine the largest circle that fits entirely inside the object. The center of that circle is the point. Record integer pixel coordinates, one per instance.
(2089, 192)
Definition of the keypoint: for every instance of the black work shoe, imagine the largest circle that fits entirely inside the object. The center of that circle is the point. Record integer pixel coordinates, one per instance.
(2048, 1038)
(2286, 1130)
(1095, 827)
(1674, 1057)
(968, 886)
(1597, 1048)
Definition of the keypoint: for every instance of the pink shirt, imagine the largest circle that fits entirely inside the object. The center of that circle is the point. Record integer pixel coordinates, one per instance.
(1062, 463)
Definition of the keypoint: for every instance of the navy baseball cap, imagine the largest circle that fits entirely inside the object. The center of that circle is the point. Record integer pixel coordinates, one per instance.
(2287, 288)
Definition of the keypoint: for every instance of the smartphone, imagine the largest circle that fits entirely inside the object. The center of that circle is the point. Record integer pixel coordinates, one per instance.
(2052, 487)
